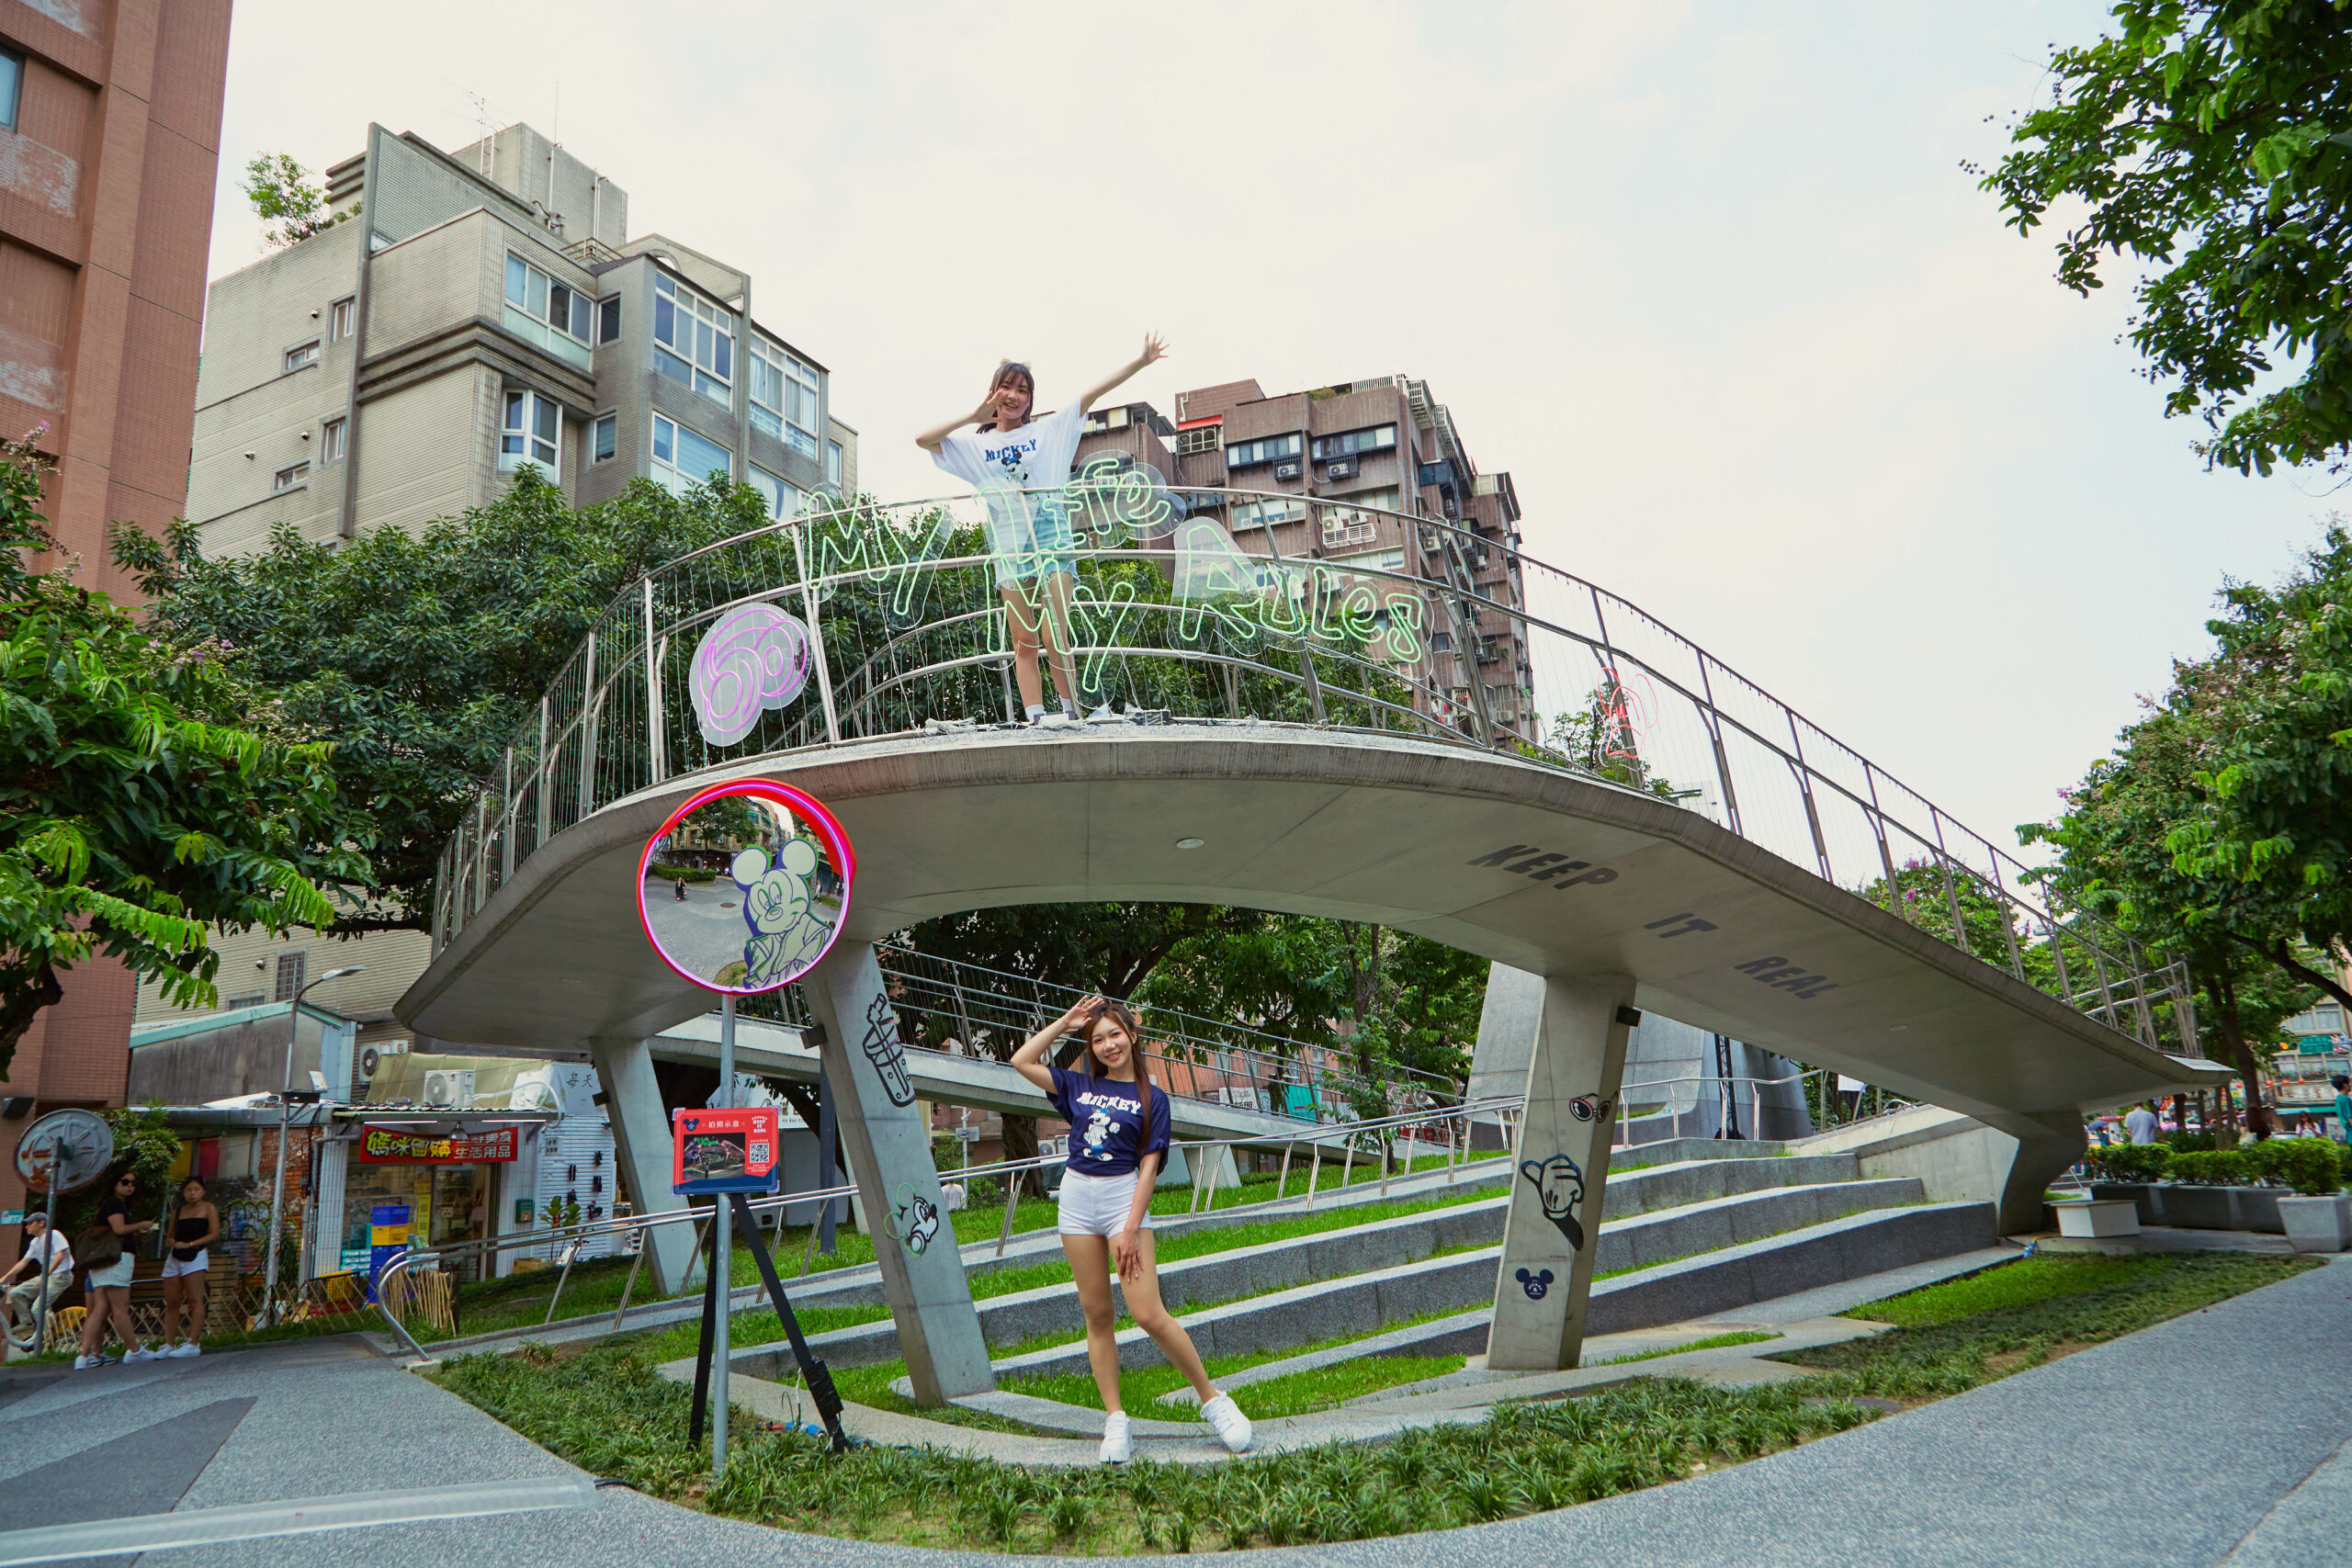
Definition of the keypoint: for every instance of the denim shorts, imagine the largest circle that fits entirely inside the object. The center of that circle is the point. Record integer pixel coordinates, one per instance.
(1097, 1205)
(1029, 536)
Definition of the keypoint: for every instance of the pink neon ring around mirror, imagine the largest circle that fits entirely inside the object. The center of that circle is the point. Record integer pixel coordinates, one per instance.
(744, 888)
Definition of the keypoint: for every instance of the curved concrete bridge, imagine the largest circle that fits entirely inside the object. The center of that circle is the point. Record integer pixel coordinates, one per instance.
(1716, 912)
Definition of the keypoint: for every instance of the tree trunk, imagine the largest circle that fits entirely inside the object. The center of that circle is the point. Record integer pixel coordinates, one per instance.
(2226, 1004)
(1021, 1143)
(2284, 957)
(22, 1004)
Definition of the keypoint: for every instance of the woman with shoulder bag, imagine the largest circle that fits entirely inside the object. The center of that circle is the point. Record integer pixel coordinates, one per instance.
(105, 1252)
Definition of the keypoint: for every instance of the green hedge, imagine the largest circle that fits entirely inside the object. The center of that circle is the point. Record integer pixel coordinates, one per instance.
(2128, 1162)
(2211, 1168)
(2313, 1167)
(682, 874)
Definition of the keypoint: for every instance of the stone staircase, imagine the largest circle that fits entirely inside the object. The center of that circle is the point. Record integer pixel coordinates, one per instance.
(1693, 1227)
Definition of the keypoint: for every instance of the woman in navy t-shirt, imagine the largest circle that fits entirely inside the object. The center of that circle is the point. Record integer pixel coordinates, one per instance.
(1118, 1140)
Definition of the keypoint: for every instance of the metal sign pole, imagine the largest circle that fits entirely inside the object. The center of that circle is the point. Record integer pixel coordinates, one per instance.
(722, 1251)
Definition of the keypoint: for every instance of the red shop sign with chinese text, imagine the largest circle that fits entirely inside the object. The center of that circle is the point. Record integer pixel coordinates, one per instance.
(403, 1146)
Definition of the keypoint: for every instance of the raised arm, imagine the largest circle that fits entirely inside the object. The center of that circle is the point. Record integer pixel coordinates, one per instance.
(1030, 1060)
(930, 439)
(1155, 347)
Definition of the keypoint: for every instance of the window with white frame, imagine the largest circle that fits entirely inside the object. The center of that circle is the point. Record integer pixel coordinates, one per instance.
(288, 479)
(331, 438)
(785, 397)
(1266, 513)
(694, 341)
(682, 458)
(783, 497)
(1348, 444)
(291, 968)
(531, 432)
(542, 298)
(301, 355)
(1202, 438)
(1343, 525)
(604, 438)
(833, 464)
(339, 318)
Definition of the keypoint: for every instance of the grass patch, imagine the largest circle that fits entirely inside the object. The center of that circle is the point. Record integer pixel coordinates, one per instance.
(1714, 1342)
(608, 1412)
(1294, 1393)
(1955, 1335)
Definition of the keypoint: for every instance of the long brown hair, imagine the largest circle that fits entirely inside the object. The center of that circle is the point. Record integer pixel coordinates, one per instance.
(1005, 373)
(1123, 1016)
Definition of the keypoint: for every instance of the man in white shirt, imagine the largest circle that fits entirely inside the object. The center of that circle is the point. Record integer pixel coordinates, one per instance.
(2141, 1125)
(40, 1249)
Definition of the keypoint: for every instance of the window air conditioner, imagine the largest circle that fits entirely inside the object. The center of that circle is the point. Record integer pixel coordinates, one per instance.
(1285, 470)
(449, 1088)
(1340, 468)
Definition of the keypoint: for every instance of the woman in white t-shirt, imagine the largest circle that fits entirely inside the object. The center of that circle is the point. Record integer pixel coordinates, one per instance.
(1019, 466)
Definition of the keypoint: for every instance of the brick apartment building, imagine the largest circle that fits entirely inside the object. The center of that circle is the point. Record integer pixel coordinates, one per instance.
(110, 145)
(1382, 444)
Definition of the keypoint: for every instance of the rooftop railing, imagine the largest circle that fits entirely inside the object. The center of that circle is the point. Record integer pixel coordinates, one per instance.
(1186, 609)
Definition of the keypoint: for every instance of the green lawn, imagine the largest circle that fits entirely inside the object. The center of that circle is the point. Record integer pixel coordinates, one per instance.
(1714, 1342)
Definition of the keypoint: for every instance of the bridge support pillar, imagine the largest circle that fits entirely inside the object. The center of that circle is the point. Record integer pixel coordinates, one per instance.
(1508, 1022)
(2048, 1143)
(889, 1150)
(641, 1147)
(1553, 1230)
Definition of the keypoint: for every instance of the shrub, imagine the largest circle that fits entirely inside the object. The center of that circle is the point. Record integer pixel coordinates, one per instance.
(2129, 1162)
(2183, 1143)
(2211, 1168)
(682, 874)
(2311, 1165)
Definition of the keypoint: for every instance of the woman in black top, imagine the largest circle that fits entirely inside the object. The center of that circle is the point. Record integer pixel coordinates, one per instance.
(109, 1284)
(187, 1270)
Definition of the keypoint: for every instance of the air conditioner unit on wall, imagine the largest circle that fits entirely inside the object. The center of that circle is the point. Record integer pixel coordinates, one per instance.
(449, 1088)
(1285, 470)
(1340, 469)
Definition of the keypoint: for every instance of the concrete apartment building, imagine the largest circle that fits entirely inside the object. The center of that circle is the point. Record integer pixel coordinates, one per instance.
(1383, 443)
(109, 142)
(484, 311)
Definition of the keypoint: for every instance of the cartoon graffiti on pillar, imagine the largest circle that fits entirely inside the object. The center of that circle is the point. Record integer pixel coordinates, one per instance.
(1590, 1108)
(882, 1049)
(914, 1221)
(1559, 1186)
(1535, 1284)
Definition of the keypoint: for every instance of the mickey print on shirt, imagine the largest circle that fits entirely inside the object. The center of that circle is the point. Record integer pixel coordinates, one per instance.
(1097, 1131)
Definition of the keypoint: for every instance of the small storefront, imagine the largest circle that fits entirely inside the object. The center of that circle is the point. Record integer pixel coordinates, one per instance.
(437, 1187)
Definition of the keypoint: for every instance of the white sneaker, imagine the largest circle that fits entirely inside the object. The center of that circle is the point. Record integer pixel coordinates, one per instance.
(1117, 1446)
(143, 1354)
(1232, 1426)
(1103, 714)
(184, 1349)
(1057, 719)
(83, 1363)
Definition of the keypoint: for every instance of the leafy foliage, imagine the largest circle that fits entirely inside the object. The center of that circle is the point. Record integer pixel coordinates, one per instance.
(419, 654)
(283, 198)
(146, 791)
(2211, 142)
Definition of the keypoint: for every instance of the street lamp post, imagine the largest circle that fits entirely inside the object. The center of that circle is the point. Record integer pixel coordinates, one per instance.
(285, 1120)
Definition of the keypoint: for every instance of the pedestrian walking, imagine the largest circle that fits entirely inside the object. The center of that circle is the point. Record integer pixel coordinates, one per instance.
(1019, 464)
(1119, 1136)
(2342, 1084)
(188, 1278)
(44, 1254)
(2141, 1124)
(104, 1250)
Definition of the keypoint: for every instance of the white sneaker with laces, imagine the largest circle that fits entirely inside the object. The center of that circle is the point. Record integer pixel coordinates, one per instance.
(143, 1354)
(1103, 714)
(184, 1349)
(1117, 1446)
(1232, 1426)
(83, 1363)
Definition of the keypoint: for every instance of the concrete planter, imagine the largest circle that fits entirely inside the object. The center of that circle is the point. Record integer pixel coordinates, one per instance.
(2098, 1218)
(2257, 1208)
(2147, 1199)
(2199, 1208)
(2317, 1224)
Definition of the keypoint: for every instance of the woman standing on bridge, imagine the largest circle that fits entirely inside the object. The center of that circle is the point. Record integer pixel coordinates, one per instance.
(1020, 466)
(1119, 1136)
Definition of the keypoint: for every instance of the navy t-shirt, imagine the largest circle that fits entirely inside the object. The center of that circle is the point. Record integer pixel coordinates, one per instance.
(1109, 1131)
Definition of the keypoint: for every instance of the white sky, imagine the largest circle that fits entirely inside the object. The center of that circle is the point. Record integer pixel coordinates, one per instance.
(1706, 279)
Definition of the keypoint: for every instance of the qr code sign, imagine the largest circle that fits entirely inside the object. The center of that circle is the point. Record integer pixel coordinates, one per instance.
(758, 1154)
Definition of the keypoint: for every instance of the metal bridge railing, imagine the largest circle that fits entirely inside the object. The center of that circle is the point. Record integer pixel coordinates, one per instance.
(1187, 609)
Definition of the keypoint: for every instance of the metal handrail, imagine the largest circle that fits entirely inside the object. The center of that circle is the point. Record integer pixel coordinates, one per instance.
(634, 1226)
(613, 721)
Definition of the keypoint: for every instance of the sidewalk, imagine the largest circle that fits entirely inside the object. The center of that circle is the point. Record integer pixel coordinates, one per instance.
(2175, 1447)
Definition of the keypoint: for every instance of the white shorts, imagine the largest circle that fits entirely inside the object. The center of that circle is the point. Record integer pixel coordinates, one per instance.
(1097, 1205)
(116, 1275)
(174, 1268)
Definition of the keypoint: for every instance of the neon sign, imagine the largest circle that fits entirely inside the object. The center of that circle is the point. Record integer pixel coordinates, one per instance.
(753, 660)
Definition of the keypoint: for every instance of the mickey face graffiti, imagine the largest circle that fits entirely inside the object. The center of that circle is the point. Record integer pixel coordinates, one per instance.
(1535, 1284)
(914, 1221)
(1559, 1186)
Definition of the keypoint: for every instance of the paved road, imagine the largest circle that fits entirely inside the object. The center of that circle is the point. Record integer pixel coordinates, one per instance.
(2225, 1436)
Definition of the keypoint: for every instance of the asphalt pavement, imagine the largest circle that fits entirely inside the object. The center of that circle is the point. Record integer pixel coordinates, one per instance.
(2224, 1436)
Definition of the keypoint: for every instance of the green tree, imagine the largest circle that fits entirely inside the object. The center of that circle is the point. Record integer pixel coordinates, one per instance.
(420, 654)
(2274, 826)
(2210, 142)
(283, 198)
(146, 792)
